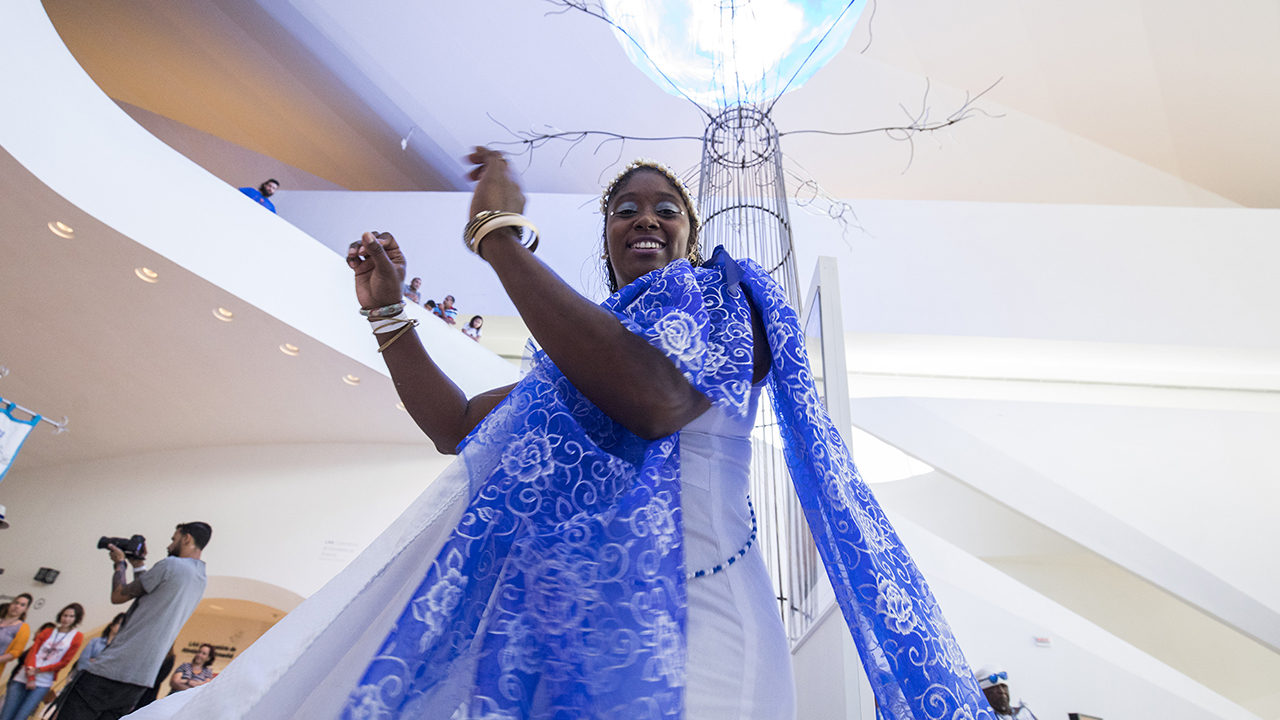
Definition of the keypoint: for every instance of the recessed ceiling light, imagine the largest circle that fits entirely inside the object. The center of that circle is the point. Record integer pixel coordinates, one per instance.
(400, 405)
(147, 275)
(289, 349)
(351, 380)
(224, 314)
(62, 230)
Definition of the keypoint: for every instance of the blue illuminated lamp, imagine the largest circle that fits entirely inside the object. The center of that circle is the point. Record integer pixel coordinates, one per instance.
(721, 53)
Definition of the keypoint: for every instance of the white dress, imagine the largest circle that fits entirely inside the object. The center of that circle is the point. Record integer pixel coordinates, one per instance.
(739, 662)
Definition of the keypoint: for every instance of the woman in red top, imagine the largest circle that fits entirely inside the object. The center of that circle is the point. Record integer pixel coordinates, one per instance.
(53, 650)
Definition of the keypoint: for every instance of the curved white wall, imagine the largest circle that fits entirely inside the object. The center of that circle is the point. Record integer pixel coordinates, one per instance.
(77, 141)
(288, 517)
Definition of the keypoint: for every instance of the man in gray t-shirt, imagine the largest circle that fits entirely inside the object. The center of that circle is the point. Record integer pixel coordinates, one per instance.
(163, 598)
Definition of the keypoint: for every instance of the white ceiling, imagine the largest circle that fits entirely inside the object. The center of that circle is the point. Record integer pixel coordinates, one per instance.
(1109, 102)
(144, 367)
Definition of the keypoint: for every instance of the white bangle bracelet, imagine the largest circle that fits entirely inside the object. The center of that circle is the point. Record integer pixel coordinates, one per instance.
(390, 324)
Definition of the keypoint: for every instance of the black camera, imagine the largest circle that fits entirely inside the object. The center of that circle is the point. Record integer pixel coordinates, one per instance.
(132, 547)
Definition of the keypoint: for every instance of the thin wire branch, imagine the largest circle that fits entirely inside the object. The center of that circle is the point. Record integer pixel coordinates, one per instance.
(529, 140)
(870, 20)
(811, 197)
(918, 122)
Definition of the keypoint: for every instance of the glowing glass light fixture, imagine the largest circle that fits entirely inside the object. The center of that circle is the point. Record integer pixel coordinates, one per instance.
(721, 53)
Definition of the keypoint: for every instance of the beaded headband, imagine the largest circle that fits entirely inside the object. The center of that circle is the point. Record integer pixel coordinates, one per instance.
(685, 195)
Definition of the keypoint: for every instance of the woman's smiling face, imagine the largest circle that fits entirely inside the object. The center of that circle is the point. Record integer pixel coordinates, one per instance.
(647, 227)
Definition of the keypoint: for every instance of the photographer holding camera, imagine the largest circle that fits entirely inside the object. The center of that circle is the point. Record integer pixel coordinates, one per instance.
(164, 597)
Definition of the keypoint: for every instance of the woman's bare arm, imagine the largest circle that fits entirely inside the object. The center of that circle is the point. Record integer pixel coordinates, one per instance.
(434, 402)
(631, 381)
(618, 371)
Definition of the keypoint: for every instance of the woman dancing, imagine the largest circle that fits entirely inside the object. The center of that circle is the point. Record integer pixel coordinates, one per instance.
(590, 553)
(738, 661)
(605, 566)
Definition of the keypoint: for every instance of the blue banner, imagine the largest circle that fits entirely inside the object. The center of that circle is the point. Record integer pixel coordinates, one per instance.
(13, 432)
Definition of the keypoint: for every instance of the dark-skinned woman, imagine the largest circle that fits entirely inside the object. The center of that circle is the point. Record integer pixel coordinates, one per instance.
(604, 565)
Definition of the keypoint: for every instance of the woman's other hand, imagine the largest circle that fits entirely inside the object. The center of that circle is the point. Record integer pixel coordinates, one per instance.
(496, 188)
(379, 270)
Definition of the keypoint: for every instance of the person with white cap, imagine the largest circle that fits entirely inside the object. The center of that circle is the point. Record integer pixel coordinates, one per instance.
(994, 682)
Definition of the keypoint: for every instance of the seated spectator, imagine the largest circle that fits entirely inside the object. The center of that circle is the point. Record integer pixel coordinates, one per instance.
(448, 311)
(52, 651)
(14, 631)
(994, 682)
(264, 191)
(196, 672)
(411, 291)
(431, 305)
(472, 330)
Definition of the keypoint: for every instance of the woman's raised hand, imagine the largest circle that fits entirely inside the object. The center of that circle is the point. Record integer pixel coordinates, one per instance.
(496, 188)
(379, 267)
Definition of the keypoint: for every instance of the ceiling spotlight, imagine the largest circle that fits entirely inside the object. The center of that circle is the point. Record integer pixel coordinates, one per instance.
(147, 275)
(62, 230)
(351, 380)
(289, 349)
(223, 314)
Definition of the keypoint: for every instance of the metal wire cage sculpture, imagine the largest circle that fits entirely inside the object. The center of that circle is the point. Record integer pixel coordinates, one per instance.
(742, 200)
(742, 194)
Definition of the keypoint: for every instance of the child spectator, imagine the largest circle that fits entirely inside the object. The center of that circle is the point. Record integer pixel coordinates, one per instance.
(472, 330)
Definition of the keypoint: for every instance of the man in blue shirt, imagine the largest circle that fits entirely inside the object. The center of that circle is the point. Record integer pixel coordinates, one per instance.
(264, 191)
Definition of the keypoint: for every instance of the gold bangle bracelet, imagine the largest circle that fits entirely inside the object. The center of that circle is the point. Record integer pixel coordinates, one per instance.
(411, 324)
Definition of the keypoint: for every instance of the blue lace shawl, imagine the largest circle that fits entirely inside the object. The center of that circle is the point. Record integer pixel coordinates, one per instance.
(561, 593)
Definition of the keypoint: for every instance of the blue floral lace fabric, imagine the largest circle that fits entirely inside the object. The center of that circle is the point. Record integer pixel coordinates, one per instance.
(561, 593)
